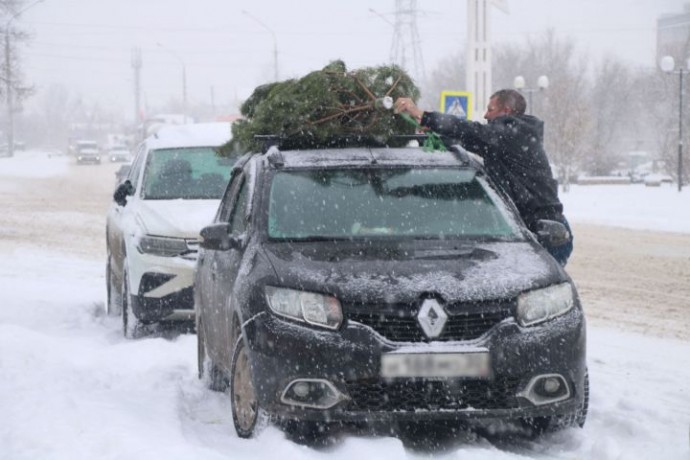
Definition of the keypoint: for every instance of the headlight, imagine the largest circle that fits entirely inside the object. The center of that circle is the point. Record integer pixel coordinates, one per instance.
(543, 304)
(309, 307)
(159, 246)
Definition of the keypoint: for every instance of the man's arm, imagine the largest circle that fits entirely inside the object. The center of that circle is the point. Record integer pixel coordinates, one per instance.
(472, 135)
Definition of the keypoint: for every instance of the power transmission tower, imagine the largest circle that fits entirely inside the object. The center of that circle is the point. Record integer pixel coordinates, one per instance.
(136, 65)
(405, 49)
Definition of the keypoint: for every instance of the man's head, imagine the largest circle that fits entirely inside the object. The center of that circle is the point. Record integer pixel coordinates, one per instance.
(505, 102)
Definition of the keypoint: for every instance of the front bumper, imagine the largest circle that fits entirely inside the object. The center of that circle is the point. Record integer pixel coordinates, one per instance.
(350, 360)
(88, 159)
(161, 287)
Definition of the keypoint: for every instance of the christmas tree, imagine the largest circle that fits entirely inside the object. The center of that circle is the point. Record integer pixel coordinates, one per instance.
(327, 108)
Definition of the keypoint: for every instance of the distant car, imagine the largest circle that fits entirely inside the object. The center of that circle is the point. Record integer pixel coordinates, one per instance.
(384, 285)
(87, 152)
(118, 154)
(171, 191)
(656, 179)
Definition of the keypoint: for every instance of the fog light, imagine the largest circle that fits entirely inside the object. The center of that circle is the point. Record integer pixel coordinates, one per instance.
(546, 389)
(314, 393)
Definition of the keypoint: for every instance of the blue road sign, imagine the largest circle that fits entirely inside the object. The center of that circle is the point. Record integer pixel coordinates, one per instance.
(458, 103)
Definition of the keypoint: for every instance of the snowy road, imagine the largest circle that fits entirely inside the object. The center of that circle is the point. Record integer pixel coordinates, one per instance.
(72, 388)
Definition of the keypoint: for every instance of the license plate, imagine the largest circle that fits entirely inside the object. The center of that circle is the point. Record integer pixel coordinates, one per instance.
(473, 364)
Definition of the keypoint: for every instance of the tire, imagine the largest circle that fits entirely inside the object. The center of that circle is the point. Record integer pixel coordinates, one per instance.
(247, 415)
(113, 303)
(541, 425)
(130, 323)
(216, 379)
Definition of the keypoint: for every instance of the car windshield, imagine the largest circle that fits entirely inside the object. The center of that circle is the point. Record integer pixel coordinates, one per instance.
(412, 202)
(185, 173)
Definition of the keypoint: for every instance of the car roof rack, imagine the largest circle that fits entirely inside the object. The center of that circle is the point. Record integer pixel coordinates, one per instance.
(269, 140)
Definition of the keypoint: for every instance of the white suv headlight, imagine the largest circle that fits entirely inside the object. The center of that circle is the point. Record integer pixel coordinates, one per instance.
(543, 304)
(161, 246)
(317, 309)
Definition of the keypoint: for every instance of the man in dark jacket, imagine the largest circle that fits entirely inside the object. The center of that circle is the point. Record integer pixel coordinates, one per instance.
(511, 144)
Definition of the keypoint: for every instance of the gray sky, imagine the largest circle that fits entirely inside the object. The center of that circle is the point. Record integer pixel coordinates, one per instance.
(85, 45)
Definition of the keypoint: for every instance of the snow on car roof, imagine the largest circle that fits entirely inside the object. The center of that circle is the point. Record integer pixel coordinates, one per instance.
(191, 135)
(401, 156)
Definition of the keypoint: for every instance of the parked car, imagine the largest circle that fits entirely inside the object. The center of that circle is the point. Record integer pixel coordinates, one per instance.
(171, 191)
(119, 153)
(383, 285)
(87, 151)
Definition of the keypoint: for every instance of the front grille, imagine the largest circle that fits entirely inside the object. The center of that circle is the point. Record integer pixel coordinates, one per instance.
(402, 326)
(419, 395)
(179, 300)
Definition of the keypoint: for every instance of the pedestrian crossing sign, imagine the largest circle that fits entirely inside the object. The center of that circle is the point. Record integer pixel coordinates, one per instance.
(458, 103)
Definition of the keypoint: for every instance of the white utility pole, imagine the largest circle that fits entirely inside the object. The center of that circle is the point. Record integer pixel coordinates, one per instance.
(478, 53)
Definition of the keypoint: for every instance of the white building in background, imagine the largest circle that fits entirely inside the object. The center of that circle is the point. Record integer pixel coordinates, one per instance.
(673, 36)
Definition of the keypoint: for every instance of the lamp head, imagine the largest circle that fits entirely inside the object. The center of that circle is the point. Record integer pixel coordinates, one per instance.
(543, 82)
(519, 82)
(667, 64)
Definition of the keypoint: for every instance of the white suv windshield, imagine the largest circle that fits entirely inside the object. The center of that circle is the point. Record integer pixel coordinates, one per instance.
(420, 203)
(186, 173)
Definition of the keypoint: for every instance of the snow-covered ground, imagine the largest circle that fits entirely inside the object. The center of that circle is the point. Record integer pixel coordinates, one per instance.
(72, 388)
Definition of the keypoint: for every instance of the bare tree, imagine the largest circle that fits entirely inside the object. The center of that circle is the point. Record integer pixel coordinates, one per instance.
(564, 106)
(448, 76)
(660, 98)
(614, 110)
(13, 38)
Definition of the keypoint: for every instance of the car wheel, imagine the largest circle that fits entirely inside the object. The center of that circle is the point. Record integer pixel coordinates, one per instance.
(216, 379)
(113, 301)
(247, 415)
(129, 321)
(541, 425)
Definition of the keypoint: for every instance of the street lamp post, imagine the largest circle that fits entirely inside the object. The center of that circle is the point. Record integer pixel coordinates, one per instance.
(519, 84)
(184, 79)
(275, 41)
(668, 65)
(8, 79)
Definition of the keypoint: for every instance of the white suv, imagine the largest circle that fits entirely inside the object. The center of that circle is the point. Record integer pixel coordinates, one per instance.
(171, 191)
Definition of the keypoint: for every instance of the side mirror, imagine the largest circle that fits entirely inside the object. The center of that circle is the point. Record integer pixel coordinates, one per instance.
(217, 237)
(122, 191)
(551, 233)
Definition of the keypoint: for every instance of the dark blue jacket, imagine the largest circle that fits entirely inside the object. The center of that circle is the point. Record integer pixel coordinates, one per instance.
(513, 152)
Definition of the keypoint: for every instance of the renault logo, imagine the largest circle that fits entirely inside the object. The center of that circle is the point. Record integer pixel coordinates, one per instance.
(432, 318)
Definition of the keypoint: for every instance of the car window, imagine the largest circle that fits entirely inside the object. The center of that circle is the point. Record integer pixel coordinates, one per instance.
(238, 217)
(135, 171)
(185, 173)
(415, 202)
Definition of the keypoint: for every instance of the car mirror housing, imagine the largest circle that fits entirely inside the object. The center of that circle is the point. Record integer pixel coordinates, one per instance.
(551, 233)
(122, 191)
(217, 237)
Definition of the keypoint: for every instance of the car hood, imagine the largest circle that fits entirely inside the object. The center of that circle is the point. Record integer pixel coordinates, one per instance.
(401, 274)
(175, 218)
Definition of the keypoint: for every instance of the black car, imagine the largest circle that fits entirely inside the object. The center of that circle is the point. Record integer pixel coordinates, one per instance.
(383, 285)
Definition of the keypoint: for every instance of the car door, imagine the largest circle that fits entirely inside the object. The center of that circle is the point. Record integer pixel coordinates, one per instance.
(222, 267)
(117, 223)
(205, 277)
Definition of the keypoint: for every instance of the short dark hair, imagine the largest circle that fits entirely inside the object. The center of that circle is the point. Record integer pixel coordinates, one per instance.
(511, 99)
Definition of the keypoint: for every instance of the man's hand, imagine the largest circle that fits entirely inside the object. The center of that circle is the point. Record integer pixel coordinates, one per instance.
(407, 105)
